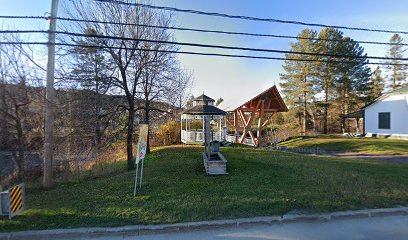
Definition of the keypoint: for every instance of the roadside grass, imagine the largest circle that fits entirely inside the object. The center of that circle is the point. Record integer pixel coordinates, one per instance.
(344, 144)
(260, 182)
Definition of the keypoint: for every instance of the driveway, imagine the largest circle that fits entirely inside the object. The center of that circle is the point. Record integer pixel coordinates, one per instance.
(382, 157)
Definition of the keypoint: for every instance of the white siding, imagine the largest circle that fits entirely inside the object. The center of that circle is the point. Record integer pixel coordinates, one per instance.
(397, 105)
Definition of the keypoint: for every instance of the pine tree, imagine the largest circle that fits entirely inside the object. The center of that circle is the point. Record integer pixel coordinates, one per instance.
(377, 85)
(343, 81)
(352, 77)
(397, 73)
(92, 69)
(219, 101)
(326, 70)
(298, 79)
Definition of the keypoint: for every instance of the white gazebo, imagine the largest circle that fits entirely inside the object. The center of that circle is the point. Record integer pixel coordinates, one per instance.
(192, 121)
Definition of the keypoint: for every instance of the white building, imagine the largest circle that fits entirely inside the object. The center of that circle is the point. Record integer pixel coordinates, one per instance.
(388, 115)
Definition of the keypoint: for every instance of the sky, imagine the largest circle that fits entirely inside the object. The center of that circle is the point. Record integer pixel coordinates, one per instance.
(239, 79)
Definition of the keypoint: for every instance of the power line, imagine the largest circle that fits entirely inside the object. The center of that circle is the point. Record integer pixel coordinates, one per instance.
(23, 17)
(210, 46)
(23, 31)
(204, 30)
(215, 14)
(225, 32)
(229, 47)
(205, 54)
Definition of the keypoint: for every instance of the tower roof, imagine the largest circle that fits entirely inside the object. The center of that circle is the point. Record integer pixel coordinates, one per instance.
(203, 98)
(272, 97)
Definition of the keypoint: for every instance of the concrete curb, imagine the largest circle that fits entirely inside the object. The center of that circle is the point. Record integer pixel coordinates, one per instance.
(204, 225)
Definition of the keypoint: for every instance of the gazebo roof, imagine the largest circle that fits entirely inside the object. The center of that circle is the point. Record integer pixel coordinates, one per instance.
(204, 110)
(203, 98)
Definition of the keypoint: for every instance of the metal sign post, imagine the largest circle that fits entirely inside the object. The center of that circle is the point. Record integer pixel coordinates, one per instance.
(141, 153)
(137, 172)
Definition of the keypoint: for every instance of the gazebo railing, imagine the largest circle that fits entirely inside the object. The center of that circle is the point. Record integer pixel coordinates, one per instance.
(197, 136)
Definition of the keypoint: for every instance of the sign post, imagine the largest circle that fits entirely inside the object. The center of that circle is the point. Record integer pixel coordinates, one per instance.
(141, 153)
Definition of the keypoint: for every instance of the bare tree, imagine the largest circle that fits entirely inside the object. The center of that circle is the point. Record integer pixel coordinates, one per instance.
(20, 98)
(179, 92)
(131, 57)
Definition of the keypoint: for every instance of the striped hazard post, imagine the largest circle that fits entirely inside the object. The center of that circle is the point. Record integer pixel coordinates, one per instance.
(16, 200)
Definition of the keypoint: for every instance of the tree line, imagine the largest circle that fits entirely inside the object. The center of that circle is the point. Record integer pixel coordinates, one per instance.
(323, 88)
(104, 87)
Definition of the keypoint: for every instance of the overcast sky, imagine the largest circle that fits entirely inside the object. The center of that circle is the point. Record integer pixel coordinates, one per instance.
(234, 79)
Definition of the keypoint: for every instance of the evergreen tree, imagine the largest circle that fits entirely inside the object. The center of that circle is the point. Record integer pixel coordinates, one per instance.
(298, 80)
(352, 78)
(377, 84)
(343, 81)
(326, 71)
(219, 101)
(397, 73)
(92, 69)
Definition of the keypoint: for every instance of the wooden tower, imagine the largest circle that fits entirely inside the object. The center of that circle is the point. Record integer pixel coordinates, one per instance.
(250, 118)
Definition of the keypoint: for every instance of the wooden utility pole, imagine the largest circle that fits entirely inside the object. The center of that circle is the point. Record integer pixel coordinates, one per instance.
(48, 180)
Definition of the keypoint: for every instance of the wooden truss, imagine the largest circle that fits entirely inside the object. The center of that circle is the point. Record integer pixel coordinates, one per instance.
(254, 115)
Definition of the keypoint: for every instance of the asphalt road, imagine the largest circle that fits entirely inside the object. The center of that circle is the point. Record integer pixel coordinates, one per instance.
(365, 228)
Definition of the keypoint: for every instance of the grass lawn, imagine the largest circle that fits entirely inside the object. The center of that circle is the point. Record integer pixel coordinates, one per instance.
(260, 182)
(343, 144)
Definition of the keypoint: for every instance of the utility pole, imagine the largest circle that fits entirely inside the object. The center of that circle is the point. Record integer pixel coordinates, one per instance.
(48, 180)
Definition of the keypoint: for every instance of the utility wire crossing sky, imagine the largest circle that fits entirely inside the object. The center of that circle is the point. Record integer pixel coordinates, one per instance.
(228, 73)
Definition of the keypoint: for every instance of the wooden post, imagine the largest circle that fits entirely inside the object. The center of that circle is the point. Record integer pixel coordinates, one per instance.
(48, 180)
(236, 125)
(259, 130)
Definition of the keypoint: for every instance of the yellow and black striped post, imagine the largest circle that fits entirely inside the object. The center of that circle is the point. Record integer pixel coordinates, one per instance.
(16, 200)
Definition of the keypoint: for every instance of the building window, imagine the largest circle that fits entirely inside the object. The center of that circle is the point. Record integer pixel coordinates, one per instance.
(384, 120)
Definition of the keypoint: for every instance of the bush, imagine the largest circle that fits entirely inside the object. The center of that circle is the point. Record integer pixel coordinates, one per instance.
(168, 133)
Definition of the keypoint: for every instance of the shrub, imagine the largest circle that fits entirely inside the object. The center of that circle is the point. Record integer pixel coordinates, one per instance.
(168, 133)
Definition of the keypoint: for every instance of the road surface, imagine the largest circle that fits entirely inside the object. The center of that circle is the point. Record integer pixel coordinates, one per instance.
(395, 227)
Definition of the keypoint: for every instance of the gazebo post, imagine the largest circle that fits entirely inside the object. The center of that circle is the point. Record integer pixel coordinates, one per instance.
(220, 128)
(207, 136)
(203, 126)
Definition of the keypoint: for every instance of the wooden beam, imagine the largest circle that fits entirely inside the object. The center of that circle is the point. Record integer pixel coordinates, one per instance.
(267, 121)
(251, 134)
(259, 130)
(236, 124)
(249, 125)
(243, 118)
(246, 124)
(254, 109)
(229, 122)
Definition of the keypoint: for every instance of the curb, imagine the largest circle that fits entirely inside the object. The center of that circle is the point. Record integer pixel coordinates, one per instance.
(203, 225)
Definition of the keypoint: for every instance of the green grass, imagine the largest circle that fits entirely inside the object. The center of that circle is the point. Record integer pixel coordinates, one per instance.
(343, 144)
(260, 182)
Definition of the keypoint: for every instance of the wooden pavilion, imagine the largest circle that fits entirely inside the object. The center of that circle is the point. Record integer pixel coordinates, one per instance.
(250, 118)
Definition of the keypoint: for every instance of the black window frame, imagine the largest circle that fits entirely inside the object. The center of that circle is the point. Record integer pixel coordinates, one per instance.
(384, 120)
